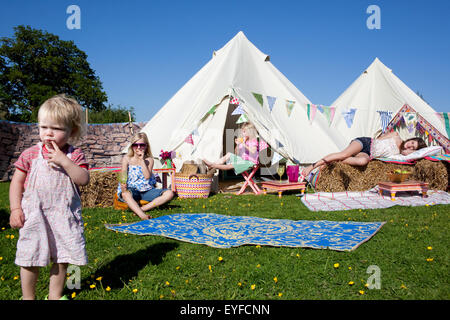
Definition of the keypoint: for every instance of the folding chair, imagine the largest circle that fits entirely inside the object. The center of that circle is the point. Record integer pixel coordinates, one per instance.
(249, 181)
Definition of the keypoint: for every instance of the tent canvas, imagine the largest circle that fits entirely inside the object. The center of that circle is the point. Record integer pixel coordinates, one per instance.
(198, 111)
(379, 89)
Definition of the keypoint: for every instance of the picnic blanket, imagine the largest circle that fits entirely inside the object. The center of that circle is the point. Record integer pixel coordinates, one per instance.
(371, 199)
(223, 231)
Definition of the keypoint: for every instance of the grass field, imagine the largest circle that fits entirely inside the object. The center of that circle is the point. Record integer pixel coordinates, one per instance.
(411, 250)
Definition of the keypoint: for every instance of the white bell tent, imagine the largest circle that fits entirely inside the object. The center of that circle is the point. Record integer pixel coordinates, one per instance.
(375, 95)
(195, 120)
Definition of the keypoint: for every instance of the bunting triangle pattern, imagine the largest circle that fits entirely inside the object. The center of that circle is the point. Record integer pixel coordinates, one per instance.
(445, 118)
(243, 118)
(349, 115)
(410, 120)
(259, 98)
(189, 139)
(289, 107)
(385, 117)
(234, 100)
(238, 110)
(271, 102)
(311, 111)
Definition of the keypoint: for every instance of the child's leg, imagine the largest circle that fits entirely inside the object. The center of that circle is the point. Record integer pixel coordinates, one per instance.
(57, 280)
(165, 197)
(133, 205)
(353, 148)
(28, 279)
(221, 161)
(360, 159)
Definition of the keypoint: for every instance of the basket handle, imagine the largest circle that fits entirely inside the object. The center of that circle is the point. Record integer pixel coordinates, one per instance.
(193, 175)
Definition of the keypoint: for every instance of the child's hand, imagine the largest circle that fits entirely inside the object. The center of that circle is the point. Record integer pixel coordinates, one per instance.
(17, 218)
(56, 156)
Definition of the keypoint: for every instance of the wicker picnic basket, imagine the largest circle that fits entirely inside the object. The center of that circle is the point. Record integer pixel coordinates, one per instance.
(193, 185)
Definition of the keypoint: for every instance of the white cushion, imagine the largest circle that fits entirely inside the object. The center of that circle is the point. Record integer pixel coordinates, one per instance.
(418, 154)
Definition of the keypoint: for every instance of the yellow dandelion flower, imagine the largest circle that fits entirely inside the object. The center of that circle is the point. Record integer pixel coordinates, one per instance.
(167, 283)
(161, 296)
(210, 268)
(7, 236)
(177, 268)
(1, 258)
(99, 279)
(172, 291)
(298, 255)
(403, 286)
(253, 286)
(275, 279)
(16, 278)
(239, 284)
(258, 246)
(430, 259)
(429, 248)
(74, 294)
(349, 268)
(366, 285)
(135, 290)
(220, 258)
(280, 294)
(361, 292)
(351, 283)
(92, 286)
(178, 255)
(336, 265)
(12, 236)
(108, 289)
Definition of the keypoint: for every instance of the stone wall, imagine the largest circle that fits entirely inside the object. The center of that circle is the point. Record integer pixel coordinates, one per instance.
(101, 144)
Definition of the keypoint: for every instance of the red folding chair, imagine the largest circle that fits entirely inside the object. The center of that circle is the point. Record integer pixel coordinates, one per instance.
(249, 181)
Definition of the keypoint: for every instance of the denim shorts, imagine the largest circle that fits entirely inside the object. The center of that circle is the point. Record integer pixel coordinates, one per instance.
(365, 142)
(148, 195)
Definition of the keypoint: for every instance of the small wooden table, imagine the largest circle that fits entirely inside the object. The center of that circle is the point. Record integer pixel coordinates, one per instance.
(164, 172)
(282, 186)
(393, 187)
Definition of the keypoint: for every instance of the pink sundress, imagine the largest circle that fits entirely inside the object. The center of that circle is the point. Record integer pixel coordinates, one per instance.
(53, 228)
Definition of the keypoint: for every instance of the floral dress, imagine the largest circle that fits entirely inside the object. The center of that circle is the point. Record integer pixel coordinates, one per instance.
(136, 180)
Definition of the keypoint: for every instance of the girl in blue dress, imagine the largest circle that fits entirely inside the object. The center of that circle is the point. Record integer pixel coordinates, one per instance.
(137, 166)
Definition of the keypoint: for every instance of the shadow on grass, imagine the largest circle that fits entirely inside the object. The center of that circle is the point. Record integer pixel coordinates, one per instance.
(127, 266)
(4, 218)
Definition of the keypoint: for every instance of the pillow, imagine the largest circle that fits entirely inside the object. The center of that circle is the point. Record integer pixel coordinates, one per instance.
(418, 154)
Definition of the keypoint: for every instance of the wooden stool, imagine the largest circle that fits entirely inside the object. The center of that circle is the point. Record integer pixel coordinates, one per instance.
(119, 205)
(393, 187)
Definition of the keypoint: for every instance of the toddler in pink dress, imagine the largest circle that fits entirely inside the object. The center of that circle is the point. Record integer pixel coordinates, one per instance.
(45, 200)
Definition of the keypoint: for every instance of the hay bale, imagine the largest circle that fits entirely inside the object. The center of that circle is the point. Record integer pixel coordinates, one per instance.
(338, 177)
(100, 190)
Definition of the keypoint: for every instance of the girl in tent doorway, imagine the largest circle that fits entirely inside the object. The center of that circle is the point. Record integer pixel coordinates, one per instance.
(137, 181)
(246, 152)
(361, 150)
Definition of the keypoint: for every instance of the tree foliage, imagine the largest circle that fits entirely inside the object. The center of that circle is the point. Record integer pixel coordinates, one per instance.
(112, 115)
(35, 65)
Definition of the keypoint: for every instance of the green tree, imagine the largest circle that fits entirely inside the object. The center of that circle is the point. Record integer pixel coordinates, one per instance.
(112, 115)
(35, 65)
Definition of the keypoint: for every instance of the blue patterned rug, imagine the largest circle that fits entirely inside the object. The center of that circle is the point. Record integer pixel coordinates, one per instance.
(222, 231)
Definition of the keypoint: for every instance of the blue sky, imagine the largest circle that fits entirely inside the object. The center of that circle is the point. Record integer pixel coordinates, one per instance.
(144, 51)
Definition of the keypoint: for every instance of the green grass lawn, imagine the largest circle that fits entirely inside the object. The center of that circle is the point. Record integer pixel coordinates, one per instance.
(411, 250)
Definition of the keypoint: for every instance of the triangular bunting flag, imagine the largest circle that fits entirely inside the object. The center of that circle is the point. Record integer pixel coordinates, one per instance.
(445, 117)
(410, 119)
(311, 111)
(275, 158)
(243, 118)
(385, 117)
(234, 100)
(271, 102)
(349, 115)
(289, 106)
(259, 98)
(238, 110)
(262, 144)
(189, 139)
(329, 113)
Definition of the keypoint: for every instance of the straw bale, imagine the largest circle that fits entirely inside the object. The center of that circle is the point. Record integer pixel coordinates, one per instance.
(339, 176)
(100, 190)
